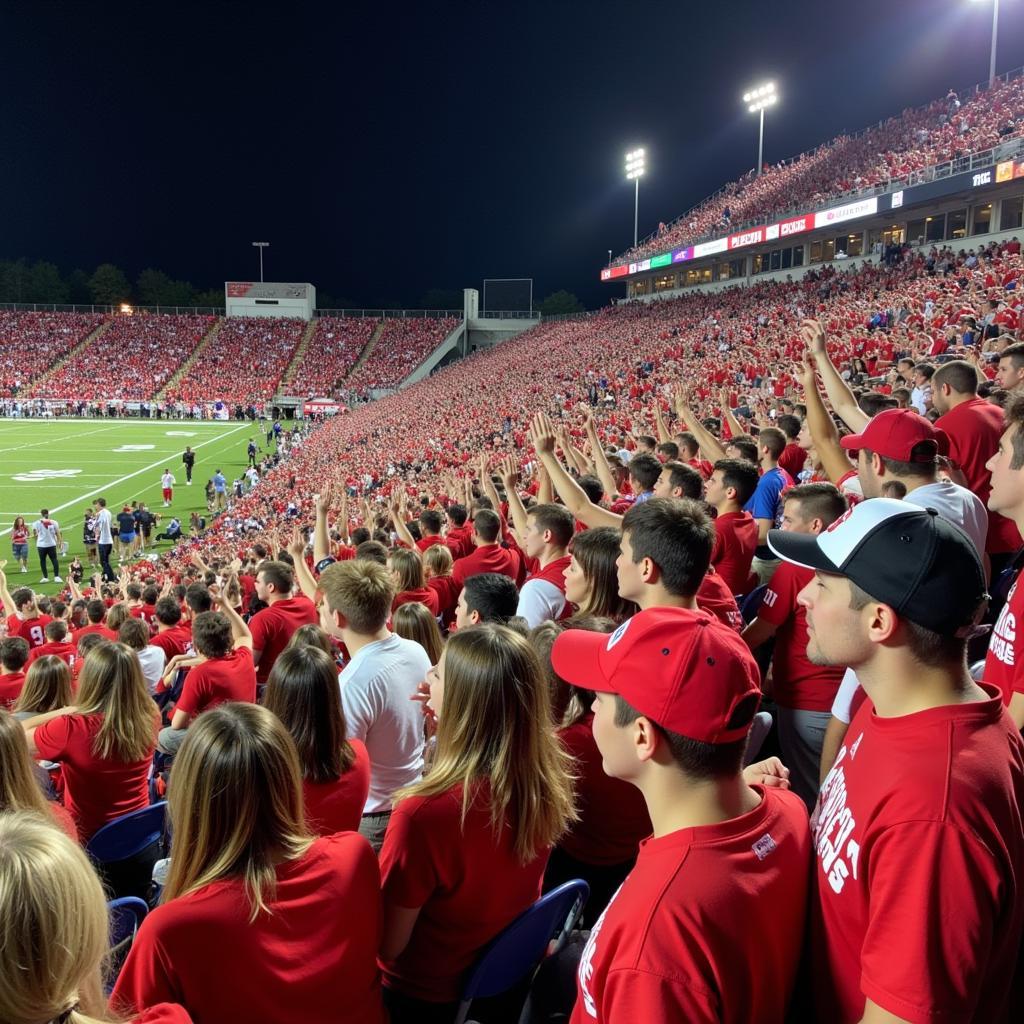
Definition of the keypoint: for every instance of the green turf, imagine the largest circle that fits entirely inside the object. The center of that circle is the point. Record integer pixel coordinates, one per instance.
(65, 463)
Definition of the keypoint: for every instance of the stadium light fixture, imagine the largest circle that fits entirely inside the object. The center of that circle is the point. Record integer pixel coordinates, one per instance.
(261, 246)
(636, 164)
(995, 39)
(758, 101)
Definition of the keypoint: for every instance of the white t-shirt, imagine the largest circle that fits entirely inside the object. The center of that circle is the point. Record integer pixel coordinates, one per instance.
(377, 687)
(957, 505)
(46, 532)
(152, 660)
(103, 527)
(539, 601)
(167, 479)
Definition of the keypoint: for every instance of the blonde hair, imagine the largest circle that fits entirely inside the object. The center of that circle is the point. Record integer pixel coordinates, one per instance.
(19, 790)
(117, 614)
(111, 684)
(47, 686)
(495, 724)
(413, 621)
(361, 591)
(235, 803)
(53, 926)
(311, 635)
(438, 560)
(408, 566)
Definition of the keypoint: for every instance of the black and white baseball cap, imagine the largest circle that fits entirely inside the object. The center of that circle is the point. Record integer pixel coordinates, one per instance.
(925, 568)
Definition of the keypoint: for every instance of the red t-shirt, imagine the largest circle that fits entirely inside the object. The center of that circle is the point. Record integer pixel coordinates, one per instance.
(176, 640)
(974, 428)
(1002, 666)
(30, 630)
(164, 1013)
(425, 595)
(94, 627)
(684, 937)
(796, 682)
(735, 544)
(469, 884)
(920, 846)
(489, 558)
(11, 684)
(96, 790)
(337, 806)
(272, 628)
(63, 649)
(613, 816)
(715, 598)
(313, 958)
(792, 459)
(447, 596)
(218, 681)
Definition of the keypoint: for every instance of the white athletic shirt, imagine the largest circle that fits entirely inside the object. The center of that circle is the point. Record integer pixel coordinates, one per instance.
(46, 532)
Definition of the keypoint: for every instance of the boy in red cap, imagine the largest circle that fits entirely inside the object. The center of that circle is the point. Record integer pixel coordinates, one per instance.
(728, 863)
(919, 836)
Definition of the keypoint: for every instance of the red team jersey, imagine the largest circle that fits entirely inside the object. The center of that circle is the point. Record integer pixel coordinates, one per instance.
(735, 544)
(272, 628)
(1002, 666)
(218, 681)
(684, 937)
(920, 866)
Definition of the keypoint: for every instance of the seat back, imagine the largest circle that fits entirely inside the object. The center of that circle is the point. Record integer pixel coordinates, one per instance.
(750, 605)
(125, 916)
(513, 955)
(129, 835)
(759, 729)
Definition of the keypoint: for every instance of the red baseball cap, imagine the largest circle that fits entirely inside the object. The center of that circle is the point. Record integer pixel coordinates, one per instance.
(896, 433)
(683, 669)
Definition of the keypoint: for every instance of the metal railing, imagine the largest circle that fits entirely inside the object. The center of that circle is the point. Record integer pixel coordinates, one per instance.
(389, 314)
(630, 254)
(58, 307)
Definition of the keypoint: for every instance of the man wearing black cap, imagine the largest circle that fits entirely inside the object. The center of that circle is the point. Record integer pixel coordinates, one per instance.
(919, 835)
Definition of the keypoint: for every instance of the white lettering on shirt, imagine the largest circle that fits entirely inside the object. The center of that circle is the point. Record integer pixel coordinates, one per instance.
(1004, 634)
(769, 599)
(585, 971)
(837, 851)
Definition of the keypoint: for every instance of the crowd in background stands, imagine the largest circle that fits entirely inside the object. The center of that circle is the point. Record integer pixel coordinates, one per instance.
(131, 360)
(403, 344)
(31, 343)
(942, 131)
(332, 352)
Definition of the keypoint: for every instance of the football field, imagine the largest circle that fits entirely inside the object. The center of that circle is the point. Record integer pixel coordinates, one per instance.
(62, 464)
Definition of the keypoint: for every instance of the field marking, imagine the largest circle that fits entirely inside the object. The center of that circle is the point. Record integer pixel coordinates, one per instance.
(54, 440)
(121, 480)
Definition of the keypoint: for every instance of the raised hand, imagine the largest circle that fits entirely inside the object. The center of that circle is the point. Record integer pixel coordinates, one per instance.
(542, 433)
(813, 335)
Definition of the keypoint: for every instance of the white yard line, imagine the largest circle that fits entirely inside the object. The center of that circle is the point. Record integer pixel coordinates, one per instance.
(54, 440)
(121, 480)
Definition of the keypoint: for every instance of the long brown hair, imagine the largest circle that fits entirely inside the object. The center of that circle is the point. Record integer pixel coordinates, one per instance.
(303, 692)
(47, 686)
(236, 803)
(596, 551)
(408, 566)
(413, 621)
(495, 724)
(111, 684)
(19, 790)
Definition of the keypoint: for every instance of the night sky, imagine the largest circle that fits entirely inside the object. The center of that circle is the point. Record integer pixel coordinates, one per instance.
(387, 148)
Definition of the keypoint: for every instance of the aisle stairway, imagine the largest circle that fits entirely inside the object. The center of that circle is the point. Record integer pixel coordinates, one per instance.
(197, 353)
(32, 388)
(367, 349)
(300, 352)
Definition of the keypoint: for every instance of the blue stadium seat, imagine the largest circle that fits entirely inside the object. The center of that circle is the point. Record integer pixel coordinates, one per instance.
(515, 954)
(126, 849)
(125, 915)
(750, 604)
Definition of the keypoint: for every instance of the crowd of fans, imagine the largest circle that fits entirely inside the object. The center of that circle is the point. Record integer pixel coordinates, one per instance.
(32, 343)
(131, 360)
(403, 344)
(942, 131)
(332, 352)
(246, 362)
(486, 635)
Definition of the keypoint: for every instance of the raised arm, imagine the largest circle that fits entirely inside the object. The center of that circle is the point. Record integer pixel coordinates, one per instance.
(516, 509)
(660, 425)
(823, 431)
(399, 512)
(709, 444)
(604, 470)
(542, 434)
(839, 394)
(239, 629)
(304, 578)
(735, 427)
(5, 594)
(321, 536)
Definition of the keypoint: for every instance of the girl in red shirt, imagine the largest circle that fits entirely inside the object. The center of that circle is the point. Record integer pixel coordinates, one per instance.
(413, 621)
(19, 542)
(466, 847)
(47, 688)
(260, 920)
(53, 921)
(104, 742)
(591, 579)
(303, 692)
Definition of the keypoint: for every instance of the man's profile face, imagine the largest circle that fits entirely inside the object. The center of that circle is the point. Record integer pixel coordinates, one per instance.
(835, 631)
(1007, 483)
(631, 583)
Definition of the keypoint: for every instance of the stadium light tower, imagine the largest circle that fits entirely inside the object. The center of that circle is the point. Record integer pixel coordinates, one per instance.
(635, 167)
(261, 246)
(758, 101)
(995, 38)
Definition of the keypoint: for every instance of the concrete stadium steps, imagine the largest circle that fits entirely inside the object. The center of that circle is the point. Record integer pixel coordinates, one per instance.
(367, 350)
(293, 367)
(197, 353)
(33, 386)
